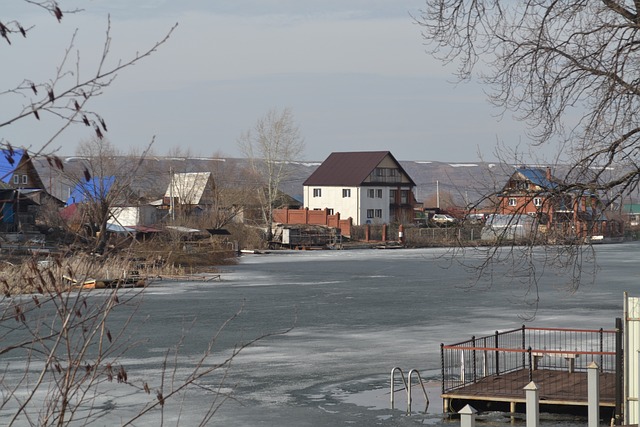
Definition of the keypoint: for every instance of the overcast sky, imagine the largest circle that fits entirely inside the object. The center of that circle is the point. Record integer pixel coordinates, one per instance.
(354, 73)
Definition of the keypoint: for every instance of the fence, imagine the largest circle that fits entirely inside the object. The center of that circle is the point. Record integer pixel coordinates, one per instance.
(529, 349)
(313, 217)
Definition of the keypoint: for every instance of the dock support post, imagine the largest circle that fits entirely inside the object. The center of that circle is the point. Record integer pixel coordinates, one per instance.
(467, 416)
(533, 405)
(593, 384)
(512, 410)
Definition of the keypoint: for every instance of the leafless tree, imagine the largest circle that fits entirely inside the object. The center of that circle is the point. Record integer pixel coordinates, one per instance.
(103, 179)
(67, 94)
(59, 347)
(569, 70)
(229, 196)
(270, 146)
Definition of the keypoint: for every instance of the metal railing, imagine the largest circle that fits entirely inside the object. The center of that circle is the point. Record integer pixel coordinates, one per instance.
(526, 348)
(407, 386)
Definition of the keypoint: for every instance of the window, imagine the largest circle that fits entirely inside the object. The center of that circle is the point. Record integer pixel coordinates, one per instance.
(378, 213)
(537, 201)
(317, 192)
(393, 195)
(346, 192)
(329, 211)
(379, 194)
(25, 179)
(404, 197)
(369, 213)
(393, 172)
(371, 193)
(16, 179)
(513, 201)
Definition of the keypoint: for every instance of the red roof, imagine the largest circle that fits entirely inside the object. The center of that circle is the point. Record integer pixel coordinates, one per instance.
(349, 169)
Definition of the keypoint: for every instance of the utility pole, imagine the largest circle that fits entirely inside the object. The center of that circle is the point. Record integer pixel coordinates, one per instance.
(172, 207)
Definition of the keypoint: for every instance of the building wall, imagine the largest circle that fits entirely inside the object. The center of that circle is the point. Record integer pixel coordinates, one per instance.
(359, 205)
(131, 216)
(331, 198)
(379, 202)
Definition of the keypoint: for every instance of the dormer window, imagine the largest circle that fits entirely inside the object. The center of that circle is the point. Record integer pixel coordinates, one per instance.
(16, 179)
(25, 179)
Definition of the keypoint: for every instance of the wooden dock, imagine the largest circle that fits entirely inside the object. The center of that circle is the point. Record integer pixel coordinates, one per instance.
(505, 392)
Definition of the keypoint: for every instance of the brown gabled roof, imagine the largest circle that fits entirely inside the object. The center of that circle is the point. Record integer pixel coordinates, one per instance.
(349, 169)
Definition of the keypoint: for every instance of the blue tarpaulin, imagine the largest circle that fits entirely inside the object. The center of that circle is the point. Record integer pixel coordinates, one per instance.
(9, 161)
(94, 189)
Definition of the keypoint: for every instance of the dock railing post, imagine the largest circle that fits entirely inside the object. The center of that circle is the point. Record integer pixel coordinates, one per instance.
(533, 405)
(524, 344)
(475, 365)
(467, 416)
(601, 349)
(442, 364)
(497, 356)
(530, 364)
(593, 394)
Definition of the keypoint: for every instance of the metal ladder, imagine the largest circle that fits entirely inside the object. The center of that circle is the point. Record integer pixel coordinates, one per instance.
(407, 386)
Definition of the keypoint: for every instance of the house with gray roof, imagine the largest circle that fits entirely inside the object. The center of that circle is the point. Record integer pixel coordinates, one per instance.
(190, 192)
(23, 193)
(371, 187)
(537, 193)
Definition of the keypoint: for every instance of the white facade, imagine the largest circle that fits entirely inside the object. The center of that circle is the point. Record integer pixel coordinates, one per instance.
(365, 205)
(131, 216)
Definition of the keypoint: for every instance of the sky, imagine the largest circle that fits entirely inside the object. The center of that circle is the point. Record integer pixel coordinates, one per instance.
(355, 74)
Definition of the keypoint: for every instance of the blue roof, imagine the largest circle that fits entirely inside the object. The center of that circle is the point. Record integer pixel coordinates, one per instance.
(8, 163)
(537, 177)
(94, 189)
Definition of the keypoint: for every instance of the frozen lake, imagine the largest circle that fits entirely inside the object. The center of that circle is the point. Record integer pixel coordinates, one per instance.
(355, 314)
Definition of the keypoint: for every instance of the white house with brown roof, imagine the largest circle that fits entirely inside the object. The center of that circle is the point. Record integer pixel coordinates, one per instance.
(369, 186)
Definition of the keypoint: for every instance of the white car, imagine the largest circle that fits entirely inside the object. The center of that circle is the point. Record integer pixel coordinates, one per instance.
(443, 219)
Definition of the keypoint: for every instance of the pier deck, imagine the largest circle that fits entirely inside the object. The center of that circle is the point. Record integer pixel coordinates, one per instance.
(556, 387)
(492, 371)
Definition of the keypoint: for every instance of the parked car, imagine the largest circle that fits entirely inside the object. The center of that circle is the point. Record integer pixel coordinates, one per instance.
(475, 218)
(443, 219)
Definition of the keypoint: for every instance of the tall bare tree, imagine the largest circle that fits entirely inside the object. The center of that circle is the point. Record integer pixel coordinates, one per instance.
(270, 146)
(567, 69)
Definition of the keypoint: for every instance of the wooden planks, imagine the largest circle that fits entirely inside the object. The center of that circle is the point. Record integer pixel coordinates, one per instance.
(556, 387)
